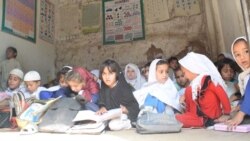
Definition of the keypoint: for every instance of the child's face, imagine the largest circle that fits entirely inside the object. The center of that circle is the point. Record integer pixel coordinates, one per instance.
(76, 86)
(180, 78)
(32, 85)
(62, 81)
(131, 74)
(109, 78)
(173, 64)
(13, 81)
(162, 73)
(227, 72)
(188, 74)
(145, 72)
(241, 53)
(10, 54)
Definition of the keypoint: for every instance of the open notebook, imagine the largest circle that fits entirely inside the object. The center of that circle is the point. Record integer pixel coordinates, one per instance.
(90, 115)
(240, 128)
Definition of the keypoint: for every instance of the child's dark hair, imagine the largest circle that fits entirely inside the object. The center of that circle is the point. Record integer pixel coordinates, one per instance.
(161, 62)
(239, 40)
(226, 61)
(12, 49)
(172, 58)
(112, 66)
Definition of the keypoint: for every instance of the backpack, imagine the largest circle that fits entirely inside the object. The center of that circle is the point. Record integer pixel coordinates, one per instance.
(59, 116)
(149, 122)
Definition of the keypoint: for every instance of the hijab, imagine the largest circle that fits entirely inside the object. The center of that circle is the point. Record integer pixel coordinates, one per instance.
(139, 80)
(201, 65)
(244, 76)
(166, 93)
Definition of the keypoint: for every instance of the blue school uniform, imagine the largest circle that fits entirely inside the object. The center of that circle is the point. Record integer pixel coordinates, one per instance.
(245, 106)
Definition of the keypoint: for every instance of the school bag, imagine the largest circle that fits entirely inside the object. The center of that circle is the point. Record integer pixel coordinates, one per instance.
(149, 122)
(58, 118)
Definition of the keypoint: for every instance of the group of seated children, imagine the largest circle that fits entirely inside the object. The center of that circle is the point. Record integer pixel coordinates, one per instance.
(198, 93)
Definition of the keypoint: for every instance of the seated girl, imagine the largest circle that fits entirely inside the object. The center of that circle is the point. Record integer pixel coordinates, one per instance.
(81, 81)
(117, 93)
(133, 76)
(227, 71)
(240, 51)
(159, 93)
(205, 99)
(62, 89)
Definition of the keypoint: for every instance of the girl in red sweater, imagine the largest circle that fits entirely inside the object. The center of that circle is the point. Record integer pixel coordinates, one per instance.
(205, 99)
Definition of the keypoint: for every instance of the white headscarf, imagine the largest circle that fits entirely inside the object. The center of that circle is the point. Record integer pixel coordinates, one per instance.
(244, 76)
(232, 46)
(138, 82)
(201, 65)
(167, 92)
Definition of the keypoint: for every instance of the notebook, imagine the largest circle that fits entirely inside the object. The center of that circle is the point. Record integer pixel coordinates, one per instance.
(240, 128)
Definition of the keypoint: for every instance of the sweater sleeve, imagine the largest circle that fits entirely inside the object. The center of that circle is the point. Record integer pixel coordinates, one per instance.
(221, 94)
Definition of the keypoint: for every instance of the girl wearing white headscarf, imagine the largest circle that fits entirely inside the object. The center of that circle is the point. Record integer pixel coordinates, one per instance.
(159, 94)
(206, 100)
(133, 76)
(240, 51)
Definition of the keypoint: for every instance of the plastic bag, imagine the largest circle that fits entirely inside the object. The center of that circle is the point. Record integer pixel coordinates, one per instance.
(149, 122)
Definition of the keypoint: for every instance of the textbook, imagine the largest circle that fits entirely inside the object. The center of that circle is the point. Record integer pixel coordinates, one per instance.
(88, 115)
(240, 128)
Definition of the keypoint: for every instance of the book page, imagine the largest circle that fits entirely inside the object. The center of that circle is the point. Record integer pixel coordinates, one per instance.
(90, 115)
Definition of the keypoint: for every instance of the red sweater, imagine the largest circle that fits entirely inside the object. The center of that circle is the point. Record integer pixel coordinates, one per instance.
(213, 103)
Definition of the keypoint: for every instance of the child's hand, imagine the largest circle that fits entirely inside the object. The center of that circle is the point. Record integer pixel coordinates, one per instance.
(222, 118)
(182, 101)
(101, 111)
(124, 109)
(236, 120)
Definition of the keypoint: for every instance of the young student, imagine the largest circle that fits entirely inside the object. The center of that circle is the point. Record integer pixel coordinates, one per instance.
(159, 94)
(227, 71)
(117, 93)
(7, 65)
(145, 70)
(81, 81)
(181, 81)
(15, 82)
(133, 76)
(205, 99)
(14, 85)
(173, 64)
(62, 89)
(240, 51)
(32, 81)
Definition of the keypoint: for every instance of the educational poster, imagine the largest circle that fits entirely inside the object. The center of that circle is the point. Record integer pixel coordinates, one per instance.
(91, 18)
(186, 7)
(156, 10)
(47, 21)
(19, 18)
(122, 21)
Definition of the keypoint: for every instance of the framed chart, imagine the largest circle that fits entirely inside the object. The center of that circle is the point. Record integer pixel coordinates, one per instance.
(19, 18)
(123, 21)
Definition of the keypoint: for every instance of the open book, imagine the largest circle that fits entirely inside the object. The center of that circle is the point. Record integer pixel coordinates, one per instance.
(239, 128)
(89, 115)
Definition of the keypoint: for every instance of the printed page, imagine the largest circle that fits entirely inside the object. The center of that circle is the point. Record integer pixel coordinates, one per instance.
(90, 115)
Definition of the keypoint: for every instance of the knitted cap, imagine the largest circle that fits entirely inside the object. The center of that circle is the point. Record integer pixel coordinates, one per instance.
(32, 76)
(17, 72)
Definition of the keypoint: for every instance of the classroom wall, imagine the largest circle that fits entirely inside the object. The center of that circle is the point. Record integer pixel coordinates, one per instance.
(39, 56)
(173, 37)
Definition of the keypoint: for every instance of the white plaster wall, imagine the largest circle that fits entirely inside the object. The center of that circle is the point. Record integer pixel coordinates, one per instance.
(172, 36)
(39, 56)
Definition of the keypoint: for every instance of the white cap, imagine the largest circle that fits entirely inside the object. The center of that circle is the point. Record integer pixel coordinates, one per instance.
(17, 72)
(32, 76)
